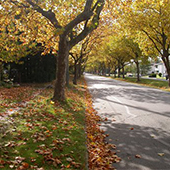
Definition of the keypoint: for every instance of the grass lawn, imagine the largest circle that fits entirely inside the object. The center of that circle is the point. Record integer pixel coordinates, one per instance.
(148, 82)
(38, 134)
(41, 134)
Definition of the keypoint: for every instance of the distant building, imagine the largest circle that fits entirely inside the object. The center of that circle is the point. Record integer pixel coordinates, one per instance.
(158, 68)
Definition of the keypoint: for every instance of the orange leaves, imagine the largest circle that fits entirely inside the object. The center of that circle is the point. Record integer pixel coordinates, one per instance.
(24, 166)
(100, 154)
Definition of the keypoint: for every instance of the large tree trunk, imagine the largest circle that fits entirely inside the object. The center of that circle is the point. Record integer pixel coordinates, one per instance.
(59, 91)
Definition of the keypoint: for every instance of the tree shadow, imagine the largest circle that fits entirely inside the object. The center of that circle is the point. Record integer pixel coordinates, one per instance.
(131, 139)
(102, 87)
(147, 142)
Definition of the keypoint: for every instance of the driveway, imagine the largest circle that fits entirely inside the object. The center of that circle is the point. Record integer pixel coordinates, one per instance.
(138, 122)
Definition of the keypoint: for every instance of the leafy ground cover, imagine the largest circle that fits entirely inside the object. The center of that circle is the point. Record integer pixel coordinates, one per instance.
(36, 133)
(148, 82)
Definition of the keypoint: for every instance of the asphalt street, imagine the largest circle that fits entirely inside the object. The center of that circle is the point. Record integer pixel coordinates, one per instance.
(138, 122)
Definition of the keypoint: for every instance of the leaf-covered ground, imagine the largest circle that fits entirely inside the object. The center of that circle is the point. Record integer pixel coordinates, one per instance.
(36, 133)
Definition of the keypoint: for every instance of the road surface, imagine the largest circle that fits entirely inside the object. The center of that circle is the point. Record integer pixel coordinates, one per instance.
(138, 122)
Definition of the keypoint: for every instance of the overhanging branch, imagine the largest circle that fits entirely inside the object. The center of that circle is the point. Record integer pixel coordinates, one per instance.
(152, 41)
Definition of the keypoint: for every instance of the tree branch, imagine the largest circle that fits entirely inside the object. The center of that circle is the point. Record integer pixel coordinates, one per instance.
(80, 18)
(48, 14)
(88, 5)
(152, 41)
(94, 24)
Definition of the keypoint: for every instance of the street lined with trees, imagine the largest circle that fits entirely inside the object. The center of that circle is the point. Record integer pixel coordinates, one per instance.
(52, 41)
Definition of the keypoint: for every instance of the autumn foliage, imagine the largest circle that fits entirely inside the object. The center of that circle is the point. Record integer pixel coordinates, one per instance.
(101, 154)
(37, 133)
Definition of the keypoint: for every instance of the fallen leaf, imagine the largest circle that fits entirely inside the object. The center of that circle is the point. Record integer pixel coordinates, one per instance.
(161, 154)
(153, 136)
(57, 161)
(52, 102)
(68, 166)
(2, 162)
(69, 159)
(25, 165)
(137, 156)
(106, 119)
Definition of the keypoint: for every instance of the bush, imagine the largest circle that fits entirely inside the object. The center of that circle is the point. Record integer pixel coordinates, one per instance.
(152, 75)
(160, 74)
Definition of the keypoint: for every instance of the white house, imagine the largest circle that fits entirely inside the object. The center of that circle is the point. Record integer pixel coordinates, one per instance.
(158, 68)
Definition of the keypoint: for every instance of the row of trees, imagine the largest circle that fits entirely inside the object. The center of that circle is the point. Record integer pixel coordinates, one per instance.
(59, 25)
(141, 31)
(127, 30)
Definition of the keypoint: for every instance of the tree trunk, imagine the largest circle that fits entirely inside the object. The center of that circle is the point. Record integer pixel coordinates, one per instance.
(115, 73)
(75, 73)
(67, 71)
(79, 70)
(137, 70)
(59, 90)
(166, 61)
(123, 71)
(118, 71)
(1, 69)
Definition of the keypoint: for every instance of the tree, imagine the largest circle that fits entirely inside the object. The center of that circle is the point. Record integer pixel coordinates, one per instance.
(136, 54)
(149, 22)
(67, 23)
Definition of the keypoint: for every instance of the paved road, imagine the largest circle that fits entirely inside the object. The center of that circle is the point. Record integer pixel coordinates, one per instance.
(142, 125)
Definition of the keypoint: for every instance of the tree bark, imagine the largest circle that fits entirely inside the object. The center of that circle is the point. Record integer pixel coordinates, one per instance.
(137, 70)
(79, 70)
(166, 61)
(63, 53)
(67, 71)
(119, 68)
(75, 73)
(123, 71)
(1, 69)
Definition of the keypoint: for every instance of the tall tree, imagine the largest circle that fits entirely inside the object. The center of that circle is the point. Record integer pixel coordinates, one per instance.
(64, 22)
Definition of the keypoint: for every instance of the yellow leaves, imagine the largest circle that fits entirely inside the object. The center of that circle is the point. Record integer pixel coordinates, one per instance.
(51, 102)
(18, 12)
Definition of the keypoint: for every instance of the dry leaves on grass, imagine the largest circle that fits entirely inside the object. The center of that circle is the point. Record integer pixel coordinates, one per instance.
(101, 155)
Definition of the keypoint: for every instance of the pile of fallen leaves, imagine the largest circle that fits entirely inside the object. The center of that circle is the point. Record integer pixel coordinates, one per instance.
(101, 154)
(15, 97)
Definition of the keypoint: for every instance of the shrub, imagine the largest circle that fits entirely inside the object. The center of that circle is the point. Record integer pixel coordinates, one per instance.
(160, 74)
(152, 75)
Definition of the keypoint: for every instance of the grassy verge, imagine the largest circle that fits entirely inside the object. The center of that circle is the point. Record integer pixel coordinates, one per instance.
(42, 134)
(148, 82)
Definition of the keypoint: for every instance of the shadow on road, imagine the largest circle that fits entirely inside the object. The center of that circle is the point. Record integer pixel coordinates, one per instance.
(105, 87)
(133, 104)
(144, 141)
